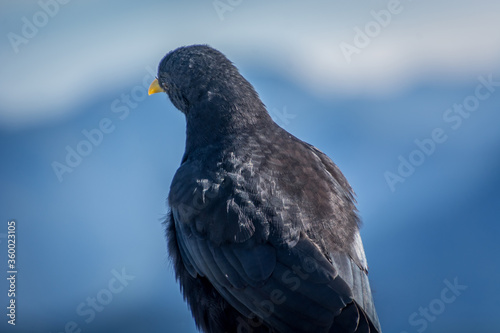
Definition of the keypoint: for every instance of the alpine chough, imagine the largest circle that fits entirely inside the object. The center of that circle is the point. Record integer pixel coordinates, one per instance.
(262, 231)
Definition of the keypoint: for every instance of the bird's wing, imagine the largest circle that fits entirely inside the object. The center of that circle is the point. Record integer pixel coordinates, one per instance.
(356, 277)
(352, 267)
(292, 288)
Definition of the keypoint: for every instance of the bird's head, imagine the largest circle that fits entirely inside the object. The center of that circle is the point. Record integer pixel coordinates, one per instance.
(196, 73)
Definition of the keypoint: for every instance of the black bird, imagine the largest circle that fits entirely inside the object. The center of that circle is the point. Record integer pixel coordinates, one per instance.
(262, 230)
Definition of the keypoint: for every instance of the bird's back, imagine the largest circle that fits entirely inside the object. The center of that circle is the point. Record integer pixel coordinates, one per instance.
(266, 221)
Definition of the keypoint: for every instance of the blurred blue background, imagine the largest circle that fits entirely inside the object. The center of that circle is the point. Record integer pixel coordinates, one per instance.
(361, 82)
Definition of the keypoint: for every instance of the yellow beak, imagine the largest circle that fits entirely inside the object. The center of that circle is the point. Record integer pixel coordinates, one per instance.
(155, 87)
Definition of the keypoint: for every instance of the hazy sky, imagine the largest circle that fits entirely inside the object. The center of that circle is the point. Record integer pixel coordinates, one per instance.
(55, 54)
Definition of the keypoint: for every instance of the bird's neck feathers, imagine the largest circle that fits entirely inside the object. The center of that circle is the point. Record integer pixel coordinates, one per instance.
(223, 112)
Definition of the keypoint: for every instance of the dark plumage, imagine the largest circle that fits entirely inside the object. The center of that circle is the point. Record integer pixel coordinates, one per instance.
(263, 231)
